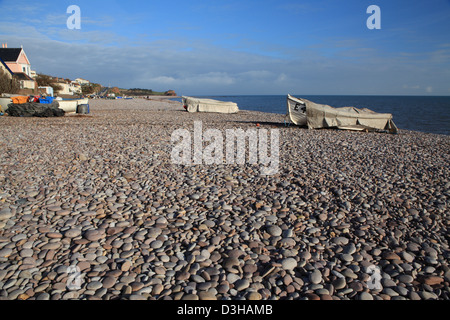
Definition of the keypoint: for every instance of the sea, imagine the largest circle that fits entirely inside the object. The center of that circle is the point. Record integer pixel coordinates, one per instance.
(429, 114)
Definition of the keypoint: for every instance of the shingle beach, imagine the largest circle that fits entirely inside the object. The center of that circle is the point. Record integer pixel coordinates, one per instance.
(92, 207)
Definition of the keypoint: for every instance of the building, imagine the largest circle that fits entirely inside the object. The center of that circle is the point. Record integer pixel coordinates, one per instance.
(82, 81)
(46, 90)
(68, 87)
(4, 67)
(76, 87)
(17, 61)
(26, 82)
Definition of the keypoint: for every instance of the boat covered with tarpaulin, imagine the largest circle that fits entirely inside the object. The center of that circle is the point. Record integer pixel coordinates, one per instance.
(209, 105)
(303, 112)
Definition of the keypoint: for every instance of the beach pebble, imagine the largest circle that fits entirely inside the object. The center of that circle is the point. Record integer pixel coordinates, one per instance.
(315, 277)
(106, 205)
(274, 230)
(289, 264)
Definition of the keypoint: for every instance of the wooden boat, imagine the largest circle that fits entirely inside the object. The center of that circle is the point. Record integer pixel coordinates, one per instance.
(307, 113)
(208, 105)
(70, 106)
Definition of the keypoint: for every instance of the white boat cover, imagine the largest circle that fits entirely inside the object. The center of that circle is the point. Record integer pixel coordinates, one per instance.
(70, 106)
(4, 103)
(303, 112)
(209, 105)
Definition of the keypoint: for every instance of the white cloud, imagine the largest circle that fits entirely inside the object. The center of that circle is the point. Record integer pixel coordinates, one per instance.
(106, 58)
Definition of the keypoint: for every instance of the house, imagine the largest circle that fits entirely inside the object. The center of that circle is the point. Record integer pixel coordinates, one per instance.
(67, 87)
(46, 90)
(26, 82)
(82, 81)
(76, 87)
(17, 61)
(4, 67)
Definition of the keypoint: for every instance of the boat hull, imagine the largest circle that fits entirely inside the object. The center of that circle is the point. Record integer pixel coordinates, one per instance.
(70, 106)
(4, 103)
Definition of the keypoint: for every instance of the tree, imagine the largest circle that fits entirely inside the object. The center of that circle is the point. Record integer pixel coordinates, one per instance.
(43, 80)
(8, 85)
(115, 90)
(87, 89)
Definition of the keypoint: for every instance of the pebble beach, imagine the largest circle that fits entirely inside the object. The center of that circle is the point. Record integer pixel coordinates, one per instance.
(348, 216)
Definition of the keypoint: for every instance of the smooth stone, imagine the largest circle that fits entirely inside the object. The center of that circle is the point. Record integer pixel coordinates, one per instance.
(306, 255)
(5, 214)
(5, 252)
(94, 235)
(339, 283)
(430, 279)
(137, 297)
(346, 257)
(207, 295)
(315, 277)
(274, 231)
(156, 244)
(43, 296)
(126, 265)
(428, 295)
(390, 256)
(94, 285)
(241, 284)
(405, 278)
(254, 296)
(157, 289)
(365, 296)
(51, 246)
(190, 297)
(24, 253)
(407, 256)
(230, 263)
(109, 282)
(340, 240)
(197, 278)
(63, 212)
(72, 233)
(349, 249)
(54, 235)
(54, 208)
(289, 264)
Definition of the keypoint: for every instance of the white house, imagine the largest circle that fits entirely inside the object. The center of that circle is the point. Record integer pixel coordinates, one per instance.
(17, 61)
(82, 81)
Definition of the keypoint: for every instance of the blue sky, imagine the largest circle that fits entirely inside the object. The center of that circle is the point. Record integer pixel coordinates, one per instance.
(202, 47)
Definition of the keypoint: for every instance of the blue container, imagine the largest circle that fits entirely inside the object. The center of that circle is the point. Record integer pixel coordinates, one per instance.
(47, 100)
